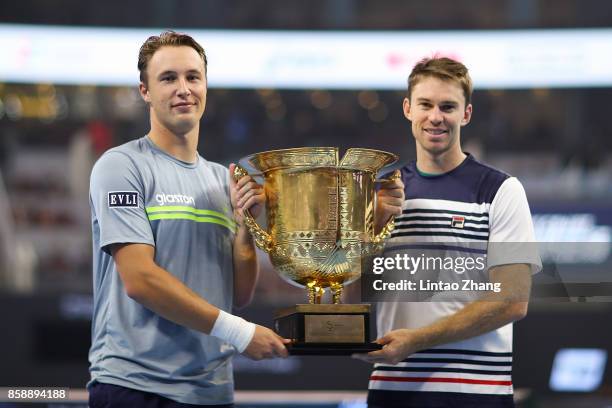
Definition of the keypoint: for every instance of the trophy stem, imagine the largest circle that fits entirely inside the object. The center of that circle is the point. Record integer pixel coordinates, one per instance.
(336, 289)
(315, 292)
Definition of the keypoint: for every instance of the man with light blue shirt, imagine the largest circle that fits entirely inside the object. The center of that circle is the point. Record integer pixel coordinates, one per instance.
(171, 253)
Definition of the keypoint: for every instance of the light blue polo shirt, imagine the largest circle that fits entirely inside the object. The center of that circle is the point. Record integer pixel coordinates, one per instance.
(140, 194)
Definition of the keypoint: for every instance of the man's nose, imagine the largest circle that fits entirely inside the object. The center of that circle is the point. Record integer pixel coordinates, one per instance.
(183, 89)
(435, 116)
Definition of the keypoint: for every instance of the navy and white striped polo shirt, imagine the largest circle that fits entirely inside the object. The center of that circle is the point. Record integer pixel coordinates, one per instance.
(468, 207)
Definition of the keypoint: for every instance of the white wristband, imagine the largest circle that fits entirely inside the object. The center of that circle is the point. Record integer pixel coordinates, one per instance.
(233, 329)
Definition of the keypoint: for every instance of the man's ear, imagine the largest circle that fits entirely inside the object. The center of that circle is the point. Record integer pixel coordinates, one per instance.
(406, 106)
(144, 92)
(467, 115)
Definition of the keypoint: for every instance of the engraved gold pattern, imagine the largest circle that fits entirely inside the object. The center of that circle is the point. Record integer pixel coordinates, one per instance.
(319, 213)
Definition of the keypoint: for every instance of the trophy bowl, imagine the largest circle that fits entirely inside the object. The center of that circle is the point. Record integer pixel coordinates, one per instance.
(320, 225)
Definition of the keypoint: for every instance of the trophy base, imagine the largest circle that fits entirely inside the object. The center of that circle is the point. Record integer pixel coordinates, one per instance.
(330, 349)
(326, 329)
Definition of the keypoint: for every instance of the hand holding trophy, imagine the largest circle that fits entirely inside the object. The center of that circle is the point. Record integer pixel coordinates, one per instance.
(320, 217)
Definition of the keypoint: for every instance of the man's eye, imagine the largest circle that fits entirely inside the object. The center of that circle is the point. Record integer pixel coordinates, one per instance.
(167, 79)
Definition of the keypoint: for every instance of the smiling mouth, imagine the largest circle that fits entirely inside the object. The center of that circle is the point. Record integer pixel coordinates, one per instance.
(436, 132)
(182, 105)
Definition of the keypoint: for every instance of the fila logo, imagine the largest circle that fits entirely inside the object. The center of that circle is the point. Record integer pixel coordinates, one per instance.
(458, 221)
(122, 199)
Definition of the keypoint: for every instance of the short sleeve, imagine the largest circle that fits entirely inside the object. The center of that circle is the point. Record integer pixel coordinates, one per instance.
(116, 194)
(511, 234)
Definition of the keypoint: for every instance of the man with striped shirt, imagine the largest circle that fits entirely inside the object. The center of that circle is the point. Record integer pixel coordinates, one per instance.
(171, 253)
(453, 353)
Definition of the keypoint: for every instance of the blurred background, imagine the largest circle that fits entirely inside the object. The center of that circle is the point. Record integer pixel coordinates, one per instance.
(543, 76)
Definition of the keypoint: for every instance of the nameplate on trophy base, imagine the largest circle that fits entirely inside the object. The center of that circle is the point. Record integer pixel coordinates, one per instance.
(326, 329)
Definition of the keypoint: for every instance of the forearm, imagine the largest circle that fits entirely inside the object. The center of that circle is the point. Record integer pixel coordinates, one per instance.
(492, 311)
(158, 290)
(474, 319)
(246, 268)
(164, 294)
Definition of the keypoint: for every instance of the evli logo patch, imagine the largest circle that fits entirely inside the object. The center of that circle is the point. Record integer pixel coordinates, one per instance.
(122, 199)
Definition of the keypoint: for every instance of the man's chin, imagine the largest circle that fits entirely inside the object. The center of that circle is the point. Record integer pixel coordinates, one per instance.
(183, 126)
(436, 148)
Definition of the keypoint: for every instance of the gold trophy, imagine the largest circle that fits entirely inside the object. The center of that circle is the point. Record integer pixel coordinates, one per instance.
(320, 226)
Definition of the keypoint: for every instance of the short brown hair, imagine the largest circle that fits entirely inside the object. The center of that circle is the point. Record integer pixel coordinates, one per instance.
(445, 69)
(167, 38)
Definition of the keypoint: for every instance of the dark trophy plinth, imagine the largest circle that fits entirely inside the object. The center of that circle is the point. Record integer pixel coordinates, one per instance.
(326, 329)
